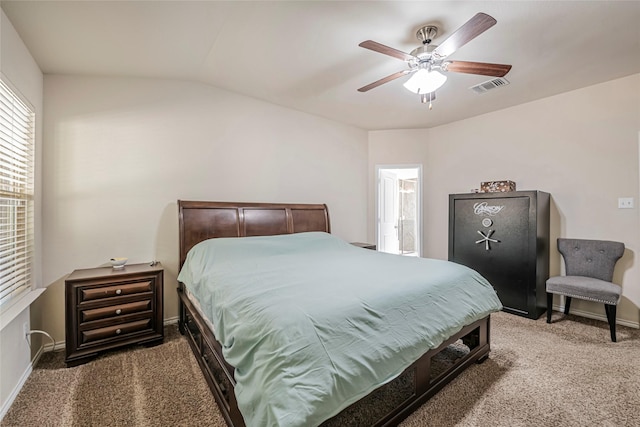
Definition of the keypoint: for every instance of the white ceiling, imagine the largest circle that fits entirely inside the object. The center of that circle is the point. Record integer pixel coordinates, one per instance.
(304, 55)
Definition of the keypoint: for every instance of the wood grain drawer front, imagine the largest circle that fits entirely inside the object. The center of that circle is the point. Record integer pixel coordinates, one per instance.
(89, 294)
(115, 310)
(224, 385)
(115, 331)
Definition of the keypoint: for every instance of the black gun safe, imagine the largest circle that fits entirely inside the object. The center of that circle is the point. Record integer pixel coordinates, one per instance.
(504, 237)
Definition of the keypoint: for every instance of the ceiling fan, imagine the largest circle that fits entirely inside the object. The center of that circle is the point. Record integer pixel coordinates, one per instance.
(425, 61)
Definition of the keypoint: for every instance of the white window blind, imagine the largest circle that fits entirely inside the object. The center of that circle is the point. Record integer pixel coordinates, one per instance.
(17, 125)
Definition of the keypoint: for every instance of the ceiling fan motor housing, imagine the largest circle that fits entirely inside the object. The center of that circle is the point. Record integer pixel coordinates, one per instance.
(423, 53)
(427, 33)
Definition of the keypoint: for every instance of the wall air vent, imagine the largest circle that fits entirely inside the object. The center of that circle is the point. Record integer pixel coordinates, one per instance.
(489, 85)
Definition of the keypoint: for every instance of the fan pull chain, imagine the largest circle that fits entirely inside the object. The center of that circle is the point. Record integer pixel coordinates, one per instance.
(423, 99)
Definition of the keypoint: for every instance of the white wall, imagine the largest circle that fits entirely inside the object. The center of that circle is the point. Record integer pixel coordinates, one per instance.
(120, 152)
(581, 146)
(24, 76)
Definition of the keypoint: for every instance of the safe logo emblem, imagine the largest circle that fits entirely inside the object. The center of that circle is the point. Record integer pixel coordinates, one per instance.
(483, 208)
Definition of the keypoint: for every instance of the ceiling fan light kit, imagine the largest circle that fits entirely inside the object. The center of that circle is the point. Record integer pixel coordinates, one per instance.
(424, 81)
(425, 61)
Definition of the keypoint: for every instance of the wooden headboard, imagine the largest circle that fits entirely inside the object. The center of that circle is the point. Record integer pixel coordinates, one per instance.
(206, 220)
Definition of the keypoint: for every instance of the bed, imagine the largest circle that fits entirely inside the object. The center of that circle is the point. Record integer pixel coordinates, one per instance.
(322, 380)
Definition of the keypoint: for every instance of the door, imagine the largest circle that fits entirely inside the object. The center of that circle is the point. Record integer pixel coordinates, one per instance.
(388, 212)
(399, 219)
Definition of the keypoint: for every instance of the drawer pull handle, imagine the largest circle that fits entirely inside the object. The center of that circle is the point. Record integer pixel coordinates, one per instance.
(118, 311)
(118, 292)
(118, 331)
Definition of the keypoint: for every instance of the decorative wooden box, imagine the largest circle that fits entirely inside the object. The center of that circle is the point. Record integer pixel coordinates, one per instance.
(497, 186)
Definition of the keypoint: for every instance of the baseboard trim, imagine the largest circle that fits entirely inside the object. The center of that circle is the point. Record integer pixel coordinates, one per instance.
(589, 315)
(171, 320)
(14, 393)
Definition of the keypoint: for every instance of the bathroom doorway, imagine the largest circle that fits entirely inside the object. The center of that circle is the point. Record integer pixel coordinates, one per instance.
(399, 217)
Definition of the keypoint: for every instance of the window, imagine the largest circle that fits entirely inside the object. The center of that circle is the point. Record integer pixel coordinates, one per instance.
(17, 123)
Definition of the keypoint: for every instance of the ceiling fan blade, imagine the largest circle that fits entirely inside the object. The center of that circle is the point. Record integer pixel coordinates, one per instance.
(380, 48)
(475, 26)
(384, 80)
(482, 68)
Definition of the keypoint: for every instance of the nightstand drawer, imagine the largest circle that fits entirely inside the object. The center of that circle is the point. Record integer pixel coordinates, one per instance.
(115, 331)
(94, 293)
(115, 310)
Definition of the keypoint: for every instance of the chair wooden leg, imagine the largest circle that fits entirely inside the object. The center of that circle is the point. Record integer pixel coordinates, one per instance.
(549, 305)
(567, 304)
(611, 317)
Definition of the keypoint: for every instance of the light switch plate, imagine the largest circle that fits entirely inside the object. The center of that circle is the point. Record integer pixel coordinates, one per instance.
(625, 203)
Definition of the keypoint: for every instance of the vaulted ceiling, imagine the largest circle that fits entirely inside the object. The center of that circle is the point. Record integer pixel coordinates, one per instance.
(304, 55)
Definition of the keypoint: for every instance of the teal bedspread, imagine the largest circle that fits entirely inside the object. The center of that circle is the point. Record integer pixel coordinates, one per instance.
(312, 324)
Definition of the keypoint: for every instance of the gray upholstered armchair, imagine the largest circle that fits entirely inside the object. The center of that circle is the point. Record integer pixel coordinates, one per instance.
(589, 266)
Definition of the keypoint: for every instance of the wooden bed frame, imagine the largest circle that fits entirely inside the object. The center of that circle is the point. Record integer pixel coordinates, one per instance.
(199, 221)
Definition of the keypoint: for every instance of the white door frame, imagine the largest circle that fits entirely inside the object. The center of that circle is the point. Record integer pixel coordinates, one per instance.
(378, 168)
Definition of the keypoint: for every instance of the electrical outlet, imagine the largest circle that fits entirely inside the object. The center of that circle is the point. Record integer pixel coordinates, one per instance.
(625, 203)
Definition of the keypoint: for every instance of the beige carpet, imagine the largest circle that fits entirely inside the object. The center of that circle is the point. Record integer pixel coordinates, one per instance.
(156, 386)
(568, 373)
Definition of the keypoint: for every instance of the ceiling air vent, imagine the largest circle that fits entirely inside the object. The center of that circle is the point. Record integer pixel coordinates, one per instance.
(489, 85)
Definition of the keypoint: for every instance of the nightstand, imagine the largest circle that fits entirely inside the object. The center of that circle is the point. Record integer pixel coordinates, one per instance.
(364, 245)
(108, 308)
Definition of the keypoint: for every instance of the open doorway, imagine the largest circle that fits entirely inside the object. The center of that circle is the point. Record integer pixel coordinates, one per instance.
(399, 217)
